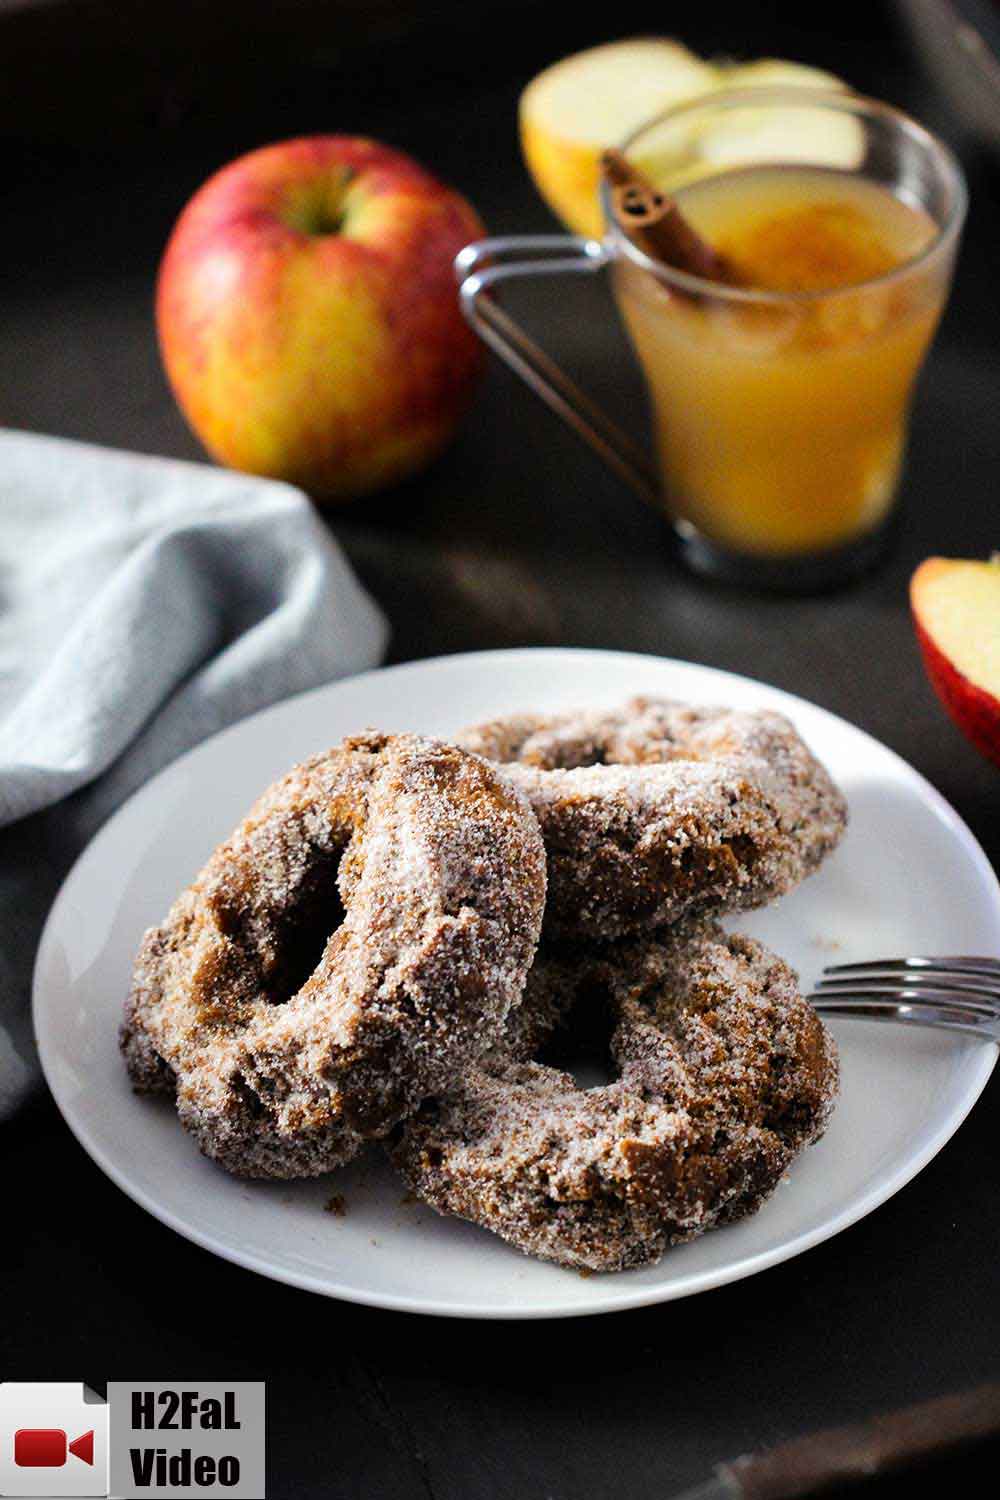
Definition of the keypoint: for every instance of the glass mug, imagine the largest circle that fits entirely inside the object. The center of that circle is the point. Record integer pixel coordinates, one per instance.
(781, 416)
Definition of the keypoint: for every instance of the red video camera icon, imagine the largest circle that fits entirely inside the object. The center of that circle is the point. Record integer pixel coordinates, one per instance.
(47, 1447)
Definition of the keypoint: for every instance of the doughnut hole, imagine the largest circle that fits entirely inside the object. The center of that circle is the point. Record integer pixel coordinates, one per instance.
(581, 1044)
(304, 932)
(277, 944)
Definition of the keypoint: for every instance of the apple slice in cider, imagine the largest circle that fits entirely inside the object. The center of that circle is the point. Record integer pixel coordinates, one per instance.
(744, 136)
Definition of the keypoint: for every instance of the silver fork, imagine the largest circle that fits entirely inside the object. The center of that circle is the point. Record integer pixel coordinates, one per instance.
(951, 994)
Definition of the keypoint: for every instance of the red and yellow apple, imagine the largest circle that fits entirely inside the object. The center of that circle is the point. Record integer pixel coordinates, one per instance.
(956, 609)
(308, 318)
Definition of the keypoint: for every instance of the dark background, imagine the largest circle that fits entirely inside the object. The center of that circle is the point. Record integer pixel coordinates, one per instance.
(110, 116)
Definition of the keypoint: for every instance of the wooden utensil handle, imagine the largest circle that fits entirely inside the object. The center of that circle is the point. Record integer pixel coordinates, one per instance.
(887, 1443)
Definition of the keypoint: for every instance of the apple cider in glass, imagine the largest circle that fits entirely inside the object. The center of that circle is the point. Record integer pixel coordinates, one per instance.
(780, 405)
(780, 310)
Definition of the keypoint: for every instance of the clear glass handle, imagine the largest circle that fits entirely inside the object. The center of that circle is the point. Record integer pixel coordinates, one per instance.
(479, 268)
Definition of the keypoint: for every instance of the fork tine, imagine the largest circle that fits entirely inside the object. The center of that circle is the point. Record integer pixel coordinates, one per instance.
(950, 993)
(912, 999)
(933, 1017)
(978, 997)
(981, 983)
(987, 968)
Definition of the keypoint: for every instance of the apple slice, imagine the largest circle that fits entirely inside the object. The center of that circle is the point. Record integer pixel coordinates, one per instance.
(574, 110)
(747, 135)
(956, 609)
(570, 113)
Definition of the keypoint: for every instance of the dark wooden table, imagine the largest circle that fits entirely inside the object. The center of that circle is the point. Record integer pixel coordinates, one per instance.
(516, 537)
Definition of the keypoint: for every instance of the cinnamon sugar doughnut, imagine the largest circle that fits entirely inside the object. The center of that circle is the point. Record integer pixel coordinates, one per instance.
(660, 810)
(724, 1074)
(291, 1030)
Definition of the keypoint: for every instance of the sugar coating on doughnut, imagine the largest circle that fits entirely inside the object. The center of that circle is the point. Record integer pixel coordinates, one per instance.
(725, 1073)
(293, 1026)
(660, 811)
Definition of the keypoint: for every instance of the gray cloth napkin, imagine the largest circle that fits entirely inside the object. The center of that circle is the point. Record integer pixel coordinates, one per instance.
(144, 604)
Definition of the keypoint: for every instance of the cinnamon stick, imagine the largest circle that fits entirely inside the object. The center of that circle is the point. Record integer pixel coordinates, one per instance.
(656, 226)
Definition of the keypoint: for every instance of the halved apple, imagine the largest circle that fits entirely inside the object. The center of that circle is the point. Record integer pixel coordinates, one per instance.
(956, 610)
(577, 108)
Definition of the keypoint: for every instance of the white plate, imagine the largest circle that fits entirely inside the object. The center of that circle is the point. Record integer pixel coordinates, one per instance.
(908, 878)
